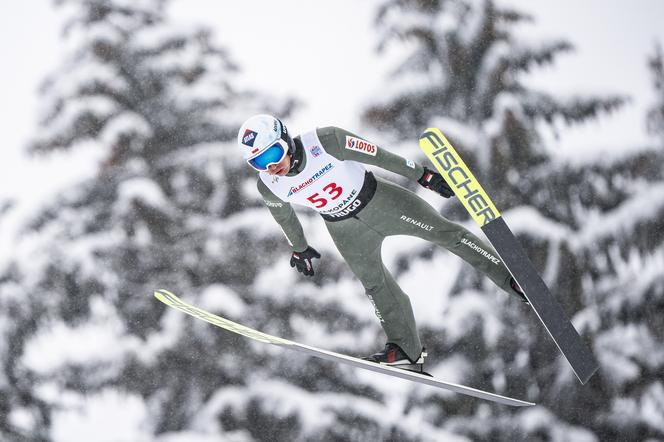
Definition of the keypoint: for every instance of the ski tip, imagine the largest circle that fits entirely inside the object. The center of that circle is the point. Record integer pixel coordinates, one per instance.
(585, 376)
(524, 404)
(164, 295)
(429, 129)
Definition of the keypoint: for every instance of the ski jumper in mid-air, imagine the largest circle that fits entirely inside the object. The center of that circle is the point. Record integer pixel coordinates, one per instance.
(323, 170)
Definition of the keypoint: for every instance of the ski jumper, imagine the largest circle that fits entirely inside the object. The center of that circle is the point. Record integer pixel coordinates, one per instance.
(360, 211)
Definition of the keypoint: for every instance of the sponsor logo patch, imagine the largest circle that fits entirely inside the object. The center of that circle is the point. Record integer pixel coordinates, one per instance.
(410, 164)
(272, 203)
(359, 145)
(480, 250)
(378, 315)
(249, 137)
(311, 180)
(417, 223)
(316, 151)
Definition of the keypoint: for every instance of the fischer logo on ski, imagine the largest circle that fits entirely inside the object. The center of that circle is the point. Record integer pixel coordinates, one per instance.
(460, 178)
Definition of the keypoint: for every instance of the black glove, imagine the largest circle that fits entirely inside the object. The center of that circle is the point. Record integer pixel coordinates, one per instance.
(302, 260)
(434, 181)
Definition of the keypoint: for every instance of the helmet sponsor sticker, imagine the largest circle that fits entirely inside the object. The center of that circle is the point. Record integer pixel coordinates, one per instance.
(360, 145)
(316, 151)
(249, 137)
(410, 163)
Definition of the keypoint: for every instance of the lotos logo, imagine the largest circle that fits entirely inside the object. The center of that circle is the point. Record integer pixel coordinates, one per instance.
(359, 145)
(249, 137)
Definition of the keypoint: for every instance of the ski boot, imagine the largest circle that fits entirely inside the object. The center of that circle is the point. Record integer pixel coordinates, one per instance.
(518, 290)
(394, 356)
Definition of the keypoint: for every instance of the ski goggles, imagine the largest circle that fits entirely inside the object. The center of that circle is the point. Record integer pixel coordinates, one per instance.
(272, 155)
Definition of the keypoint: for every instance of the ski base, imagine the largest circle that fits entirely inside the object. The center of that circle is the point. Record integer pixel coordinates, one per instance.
(545, 305)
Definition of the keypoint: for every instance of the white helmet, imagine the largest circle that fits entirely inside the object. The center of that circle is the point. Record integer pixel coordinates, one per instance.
(261, 132)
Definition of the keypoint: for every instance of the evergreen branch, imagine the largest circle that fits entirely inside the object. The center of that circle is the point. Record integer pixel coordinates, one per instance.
(523, 60)
(573, 111)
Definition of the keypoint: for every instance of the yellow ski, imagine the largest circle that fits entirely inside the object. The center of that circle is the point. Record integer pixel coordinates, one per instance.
(468, 190)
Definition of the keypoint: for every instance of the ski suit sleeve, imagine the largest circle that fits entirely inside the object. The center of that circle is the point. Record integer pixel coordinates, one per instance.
(345, 145)
(285, 216)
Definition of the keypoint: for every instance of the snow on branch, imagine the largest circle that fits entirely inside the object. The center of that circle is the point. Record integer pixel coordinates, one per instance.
(644, 205)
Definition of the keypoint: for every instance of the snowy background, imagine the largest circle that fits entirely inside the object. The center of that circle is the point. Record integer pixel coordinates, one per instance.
(119, 175)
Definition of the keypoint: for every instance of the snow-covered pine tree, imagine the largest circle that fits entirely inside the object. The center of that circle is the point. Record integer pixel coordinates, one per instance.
(463, 71)
(19, 407)
(614, 255)
(170, 204)
(163, 205)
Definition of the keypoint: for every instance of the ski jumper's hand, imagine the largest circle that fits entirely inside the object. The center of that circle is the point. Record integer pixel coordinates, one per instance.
(302, 261)
(434, 181)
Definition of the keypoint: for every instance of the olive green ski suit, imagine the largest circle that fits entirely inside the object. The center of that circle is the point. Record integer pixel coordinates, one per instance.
(391, 210)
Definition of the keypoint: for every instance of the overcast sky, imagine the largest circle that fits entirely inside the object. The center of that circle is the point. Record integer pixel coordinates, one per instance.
(269, 40)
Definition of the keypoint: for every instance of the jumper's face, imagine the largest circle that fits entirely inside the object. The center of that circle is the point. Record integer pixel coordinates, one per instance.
(281, 168)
